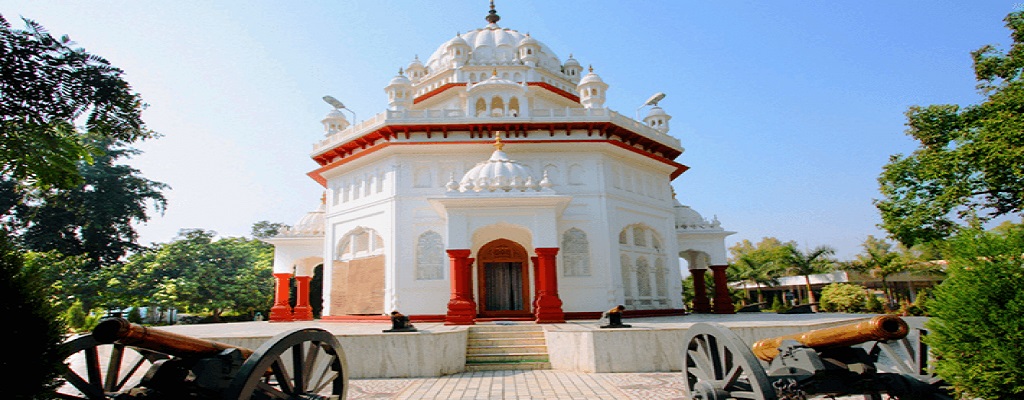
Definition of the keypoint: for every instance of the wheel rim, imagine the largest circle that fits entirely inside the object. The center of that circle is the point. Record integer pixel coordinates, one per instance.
(717, 365)
(96, 371)
(305, 364)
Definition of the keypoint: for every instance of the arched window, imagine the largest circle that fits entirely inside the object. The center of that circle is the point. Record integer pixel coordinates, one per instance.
(642, 245)
(497, 107)
(643, 277)
(430, 256)
(575, 253)
(359, 243)
(481, 108)
(513, 107)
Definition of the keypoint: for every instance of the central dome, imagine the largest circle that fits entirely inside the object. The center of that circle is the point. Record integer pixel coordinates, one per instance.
(493, 45)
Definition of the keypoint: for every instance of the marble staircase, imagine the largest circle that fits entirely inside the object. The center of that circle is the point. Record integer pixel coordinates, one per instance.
(506, 347)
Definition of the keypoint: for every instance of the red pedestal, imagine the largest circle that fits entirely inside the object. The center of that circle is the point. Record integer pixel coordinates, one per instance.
(281, 311)
(701, 304)
(723, 303)
(302, 312)
(549, 306)
(461, 307)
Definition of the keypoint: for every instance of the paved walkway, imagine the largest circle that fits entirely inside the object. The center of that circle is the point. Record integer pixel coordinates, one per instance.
(539, 384)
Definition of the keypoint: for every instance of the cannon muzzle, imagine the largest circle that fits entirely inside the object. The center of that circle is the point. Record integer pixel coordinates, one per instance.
(121, 331)
(882, 327)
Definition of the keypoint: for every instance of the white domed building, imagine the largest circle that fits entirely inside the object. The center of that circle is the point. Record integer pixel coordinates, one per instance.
(496, 185)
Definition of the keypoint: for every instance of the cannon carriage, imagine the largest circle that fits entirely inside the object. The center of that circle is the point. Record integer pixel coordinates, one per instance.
(120, 360)
(870, 358)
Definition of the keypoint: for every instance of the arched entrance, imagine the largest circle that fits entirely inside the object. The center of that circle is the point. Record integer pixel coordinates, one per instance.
(503, 279)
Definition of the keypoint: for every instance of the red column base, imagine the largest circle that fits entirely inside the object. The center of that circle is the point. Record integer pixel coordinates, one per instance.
(549, 310)
(701, 305)
(303, 313)
(460, 312)
(723, 302)
(281, 314)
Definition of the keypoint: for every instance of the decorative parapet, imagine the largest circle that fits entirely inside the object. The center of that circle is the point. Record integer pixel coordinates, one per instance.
(443, 117)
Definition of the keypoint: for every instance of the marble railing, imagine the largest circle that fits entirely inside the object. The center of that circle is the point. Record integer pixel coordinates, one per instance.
(439, 117)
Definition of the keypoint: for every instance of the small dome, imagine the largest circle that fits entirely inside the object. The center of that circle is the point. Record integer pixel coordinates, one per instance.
(688, 218)
(656, 111)
(415, 63)
(494, 80)
(528, 40)
(497, 174)
(400, 79)
(457, 40)
(311, 224)
(334, 114)
(591, 77)
(571, 62)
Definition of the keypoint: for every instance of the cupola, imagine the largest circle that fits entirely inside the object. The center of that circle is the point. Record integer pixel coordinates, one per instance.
(416, 71)
(529, 50)
(498, 174)
(399, 92)
(334, 122)
(592, 90)
(458, 51)
(572, 69)
(657, 118)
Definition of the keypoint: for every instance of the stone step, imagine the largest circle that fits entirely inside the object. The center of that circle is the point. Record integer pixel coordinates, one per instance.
(505, 328)
(511, 334)
(535, 349)
(506, 341)
(507, 366)
(506, 358)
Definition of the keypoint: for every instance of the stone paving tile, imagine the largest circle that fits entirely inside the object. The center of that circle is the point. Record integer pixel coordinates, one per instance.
(536, 384)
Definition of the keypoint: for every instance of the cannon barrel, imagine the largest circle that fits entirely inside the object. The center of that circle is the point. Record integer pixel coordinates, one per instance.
(121, 331)
(882, 327)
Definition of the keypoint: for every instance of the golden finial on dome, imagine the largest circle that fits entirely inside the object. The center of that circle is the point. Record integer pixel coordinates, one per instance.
(498, 145)
(323, 198)
(492, 16)
(495, 72)
(591, 69)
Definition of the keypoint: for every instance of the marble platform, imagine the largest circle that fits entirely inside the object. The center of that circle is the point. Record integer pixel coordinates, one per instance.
(651, 345)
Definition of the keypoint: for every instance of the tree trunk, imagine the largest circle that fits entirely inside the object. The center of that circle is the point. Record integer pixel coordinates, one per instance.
(810, 294)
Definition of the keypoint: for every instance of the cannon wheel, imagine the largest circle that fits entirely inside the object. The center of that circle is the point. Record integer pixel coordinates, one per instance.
(903, 357)
(306, 363)
(718, 365)
(107, 368)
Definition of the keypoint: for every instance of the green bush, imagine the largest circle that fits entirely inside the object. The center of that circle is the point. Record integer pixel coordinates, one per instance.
(976, 327)
(779, 306)
(135, 316)
(75, 316)
(873, 305)
(842, 297)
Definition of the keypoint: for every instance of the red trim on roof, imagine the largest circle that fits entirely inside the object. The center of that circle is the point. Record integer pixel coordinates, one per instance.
(436, 92)
(555, 90)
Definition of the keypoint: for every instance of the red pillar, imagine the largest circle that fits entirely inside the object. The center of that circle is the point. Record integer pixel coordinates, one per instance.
(281, 311)
(461, 307)
(303, 312)
(549, 306)
(723, 302)
(701, 304)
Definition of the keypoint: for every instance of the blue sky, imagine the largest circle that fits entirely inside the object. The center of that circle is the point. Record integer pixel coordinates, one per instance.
(787, 109)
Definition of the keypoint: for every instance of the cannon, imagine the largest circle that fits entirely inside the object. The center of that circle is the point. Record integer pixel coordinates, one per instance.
(120, 360)
(868, 358)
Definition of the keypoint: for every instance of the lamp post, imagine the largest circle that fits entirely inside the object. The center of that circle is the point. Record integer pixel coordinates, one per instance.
(339, 106)
(653, 101)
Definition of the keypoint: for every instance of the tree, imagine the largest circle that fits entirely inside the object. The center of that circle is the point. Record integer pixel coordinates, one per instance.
(843, 297)
(94, 218)
(267, 229)
(761, 271)
(968, 167)
(46, 87)
(815, 261)
(976, 323)
(199, 274)
(880, 261)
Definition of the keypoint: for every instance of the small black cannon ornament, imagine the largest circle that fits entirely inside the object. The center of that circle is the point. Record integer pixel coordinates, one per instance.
(868, 358)
(124, 361)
